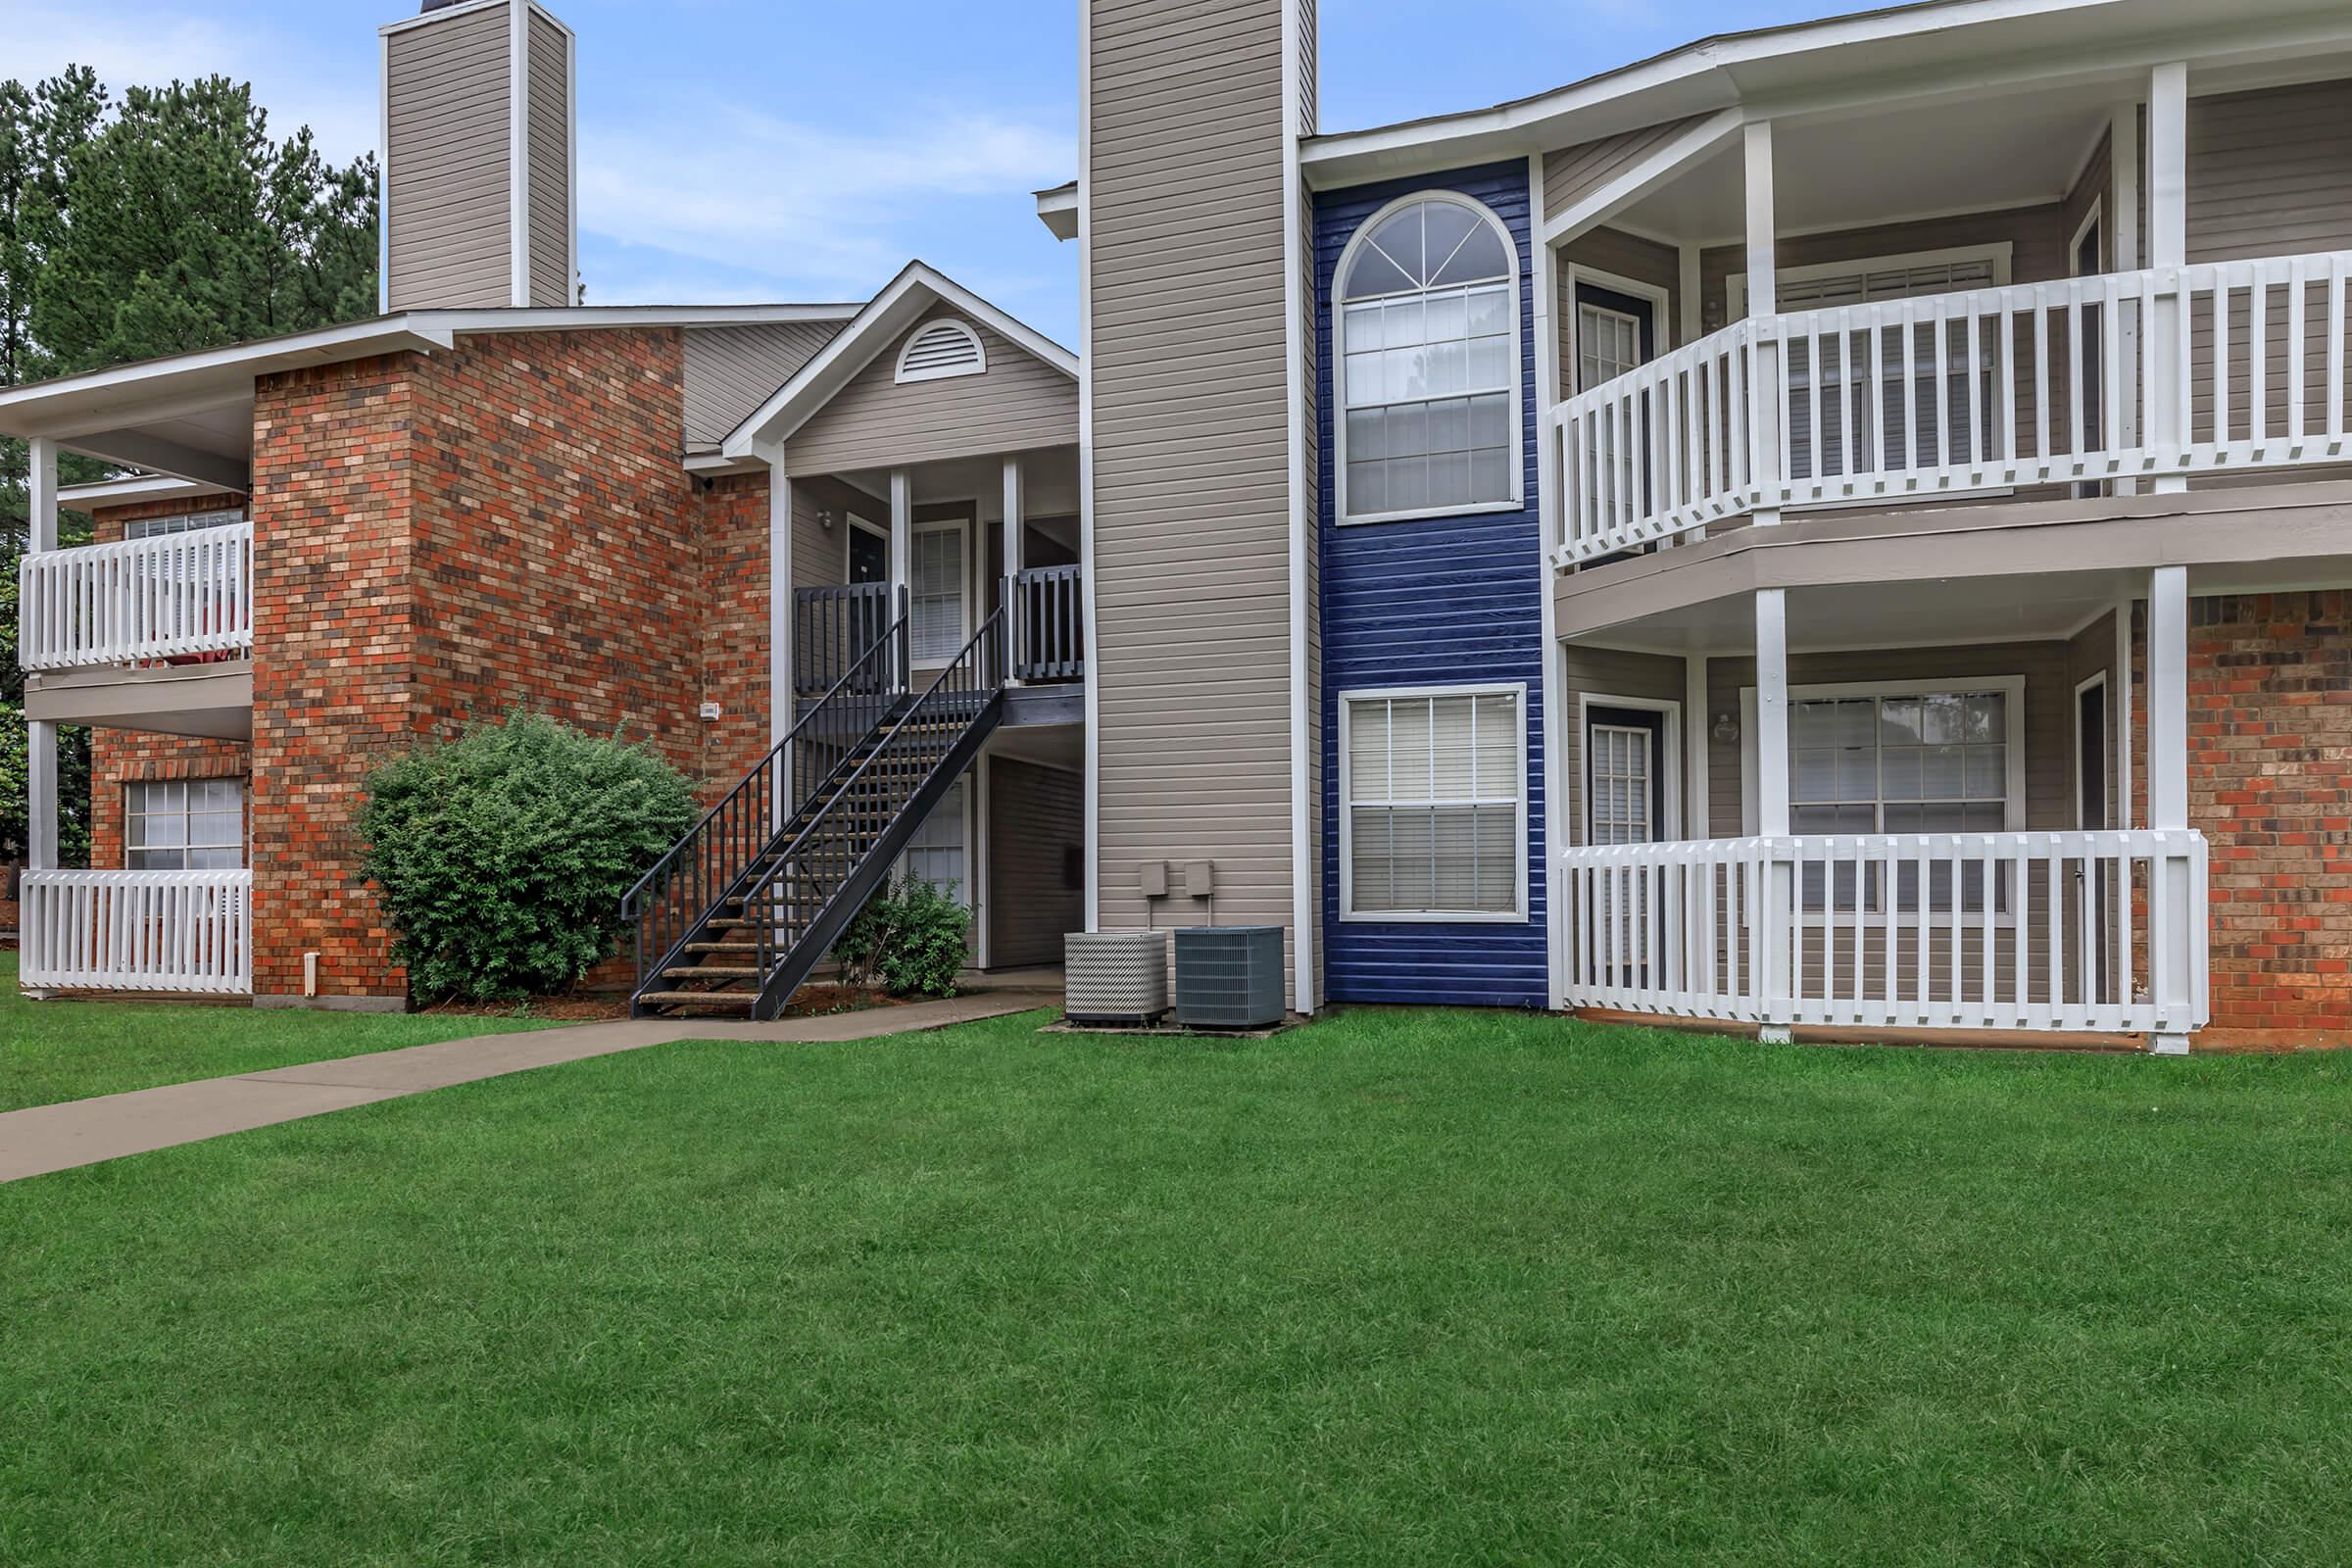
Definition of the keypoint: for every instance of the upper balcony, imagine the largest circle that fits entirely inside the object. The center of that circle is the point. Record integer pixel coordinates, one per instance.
(150, 633)
(2159, 373)
(2012, 281)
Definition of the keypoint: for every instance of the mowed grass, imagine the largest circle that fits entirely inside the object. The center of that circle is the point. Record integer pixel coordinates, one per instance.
(1399, 1288)
(56, 1050)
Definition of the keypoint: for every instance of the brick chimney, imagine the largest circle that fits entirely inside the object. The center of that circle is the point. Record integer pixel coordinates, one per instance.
(481, 207)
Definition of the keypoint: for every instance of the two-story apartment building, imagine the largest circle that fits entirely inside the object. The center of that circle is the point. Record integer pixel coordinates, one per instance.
(1837, 525)
(1833, 526)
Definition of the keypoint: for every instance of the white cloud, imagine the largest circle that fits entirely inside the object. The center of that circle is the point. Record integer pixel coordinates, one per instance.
(745, 189)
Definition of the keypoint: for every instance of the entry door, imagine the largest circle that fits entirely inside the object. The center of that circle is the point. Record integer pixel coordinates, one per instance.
(2096, 892)
(1615, 333)
(1625, 803)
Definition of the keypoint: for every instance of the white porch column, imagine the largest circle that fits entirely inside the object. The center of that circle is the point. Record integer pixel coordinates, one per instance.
(1015, 516)
(2167, 247)
(1772, 808)
(2173, 967)
(1763, 301)
(902, 546)
(2122, 246)
(782, 700)
(40, 739)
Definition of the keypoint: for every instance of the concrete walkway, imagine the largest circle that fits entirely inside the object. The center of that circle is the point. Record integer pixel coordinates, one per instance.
(84, 1132)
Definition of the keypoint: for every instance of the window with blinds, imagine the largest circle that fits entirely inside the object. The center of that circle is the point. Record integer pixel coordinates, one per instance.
(1916, 762)
(935, 593)
(1433, 799)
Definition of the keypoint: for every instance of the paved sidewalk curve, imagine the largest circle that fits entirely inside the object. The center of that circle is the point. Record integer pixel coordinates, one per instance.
(84, 1132)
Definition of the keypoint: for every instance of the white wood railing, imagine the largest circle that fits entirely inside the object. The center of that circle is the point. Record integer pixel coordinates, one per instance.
(167, 597)
(137, 931)
(1910, 399)
(2076, 931)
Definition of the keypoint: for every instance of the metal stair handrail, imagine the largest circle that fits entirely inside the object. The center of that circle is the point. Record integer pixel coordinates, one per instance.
(972, 674)
(740, 820)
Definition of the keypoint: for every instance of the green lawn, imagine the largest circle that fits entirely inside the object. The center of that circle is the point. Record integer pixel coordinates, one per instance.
(53, 1050)
(1400, 1288)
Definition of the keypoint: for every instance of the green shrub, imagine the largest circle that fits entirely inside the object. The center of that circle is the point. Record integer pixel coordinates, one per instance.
(503, 855)
(908, 940)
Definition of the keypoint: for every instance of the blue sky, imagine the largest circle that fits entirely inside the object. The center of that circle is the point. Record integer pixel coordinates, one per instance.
(733, 150)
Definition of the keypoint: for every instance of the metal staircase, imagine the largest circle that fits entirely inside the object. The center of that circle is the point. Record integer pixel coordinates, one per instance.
(733, 918)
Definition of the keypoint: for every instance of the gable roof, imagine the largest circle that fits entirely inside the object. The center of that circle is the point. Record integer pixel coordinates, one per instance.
(899, 305)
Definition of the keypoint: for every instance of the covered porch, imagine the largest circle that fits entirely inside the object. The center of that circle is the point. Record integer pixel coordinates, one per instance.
(1911, 804)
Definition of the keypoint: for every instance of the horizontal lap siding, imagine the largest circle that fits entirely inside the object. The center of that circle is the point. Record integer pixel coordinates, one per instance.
(731, 371)
(550, 152)
(1018, 402)
(1035, 817)
(1450, 601)
(446, 168)
(1189, 384)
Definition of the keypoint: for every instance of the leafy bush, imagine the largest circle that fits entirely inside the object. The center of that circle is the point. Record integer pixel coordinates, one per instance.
(503, 855)
(908, 940)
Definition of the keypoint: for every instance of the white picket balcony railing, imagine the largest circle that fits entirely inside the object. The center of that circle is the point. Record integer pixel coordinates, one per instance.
(137, 600)
(137, 931)
(1908, 399)
(2100, 931)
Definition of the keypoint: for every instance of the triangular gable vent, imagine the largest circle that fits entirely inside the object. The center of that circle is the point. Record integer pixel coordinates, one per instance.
(940, 349)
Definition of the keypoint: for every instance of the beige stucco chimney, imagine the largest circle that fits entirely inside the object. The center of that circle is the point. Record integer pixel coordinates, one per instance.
(481, 177)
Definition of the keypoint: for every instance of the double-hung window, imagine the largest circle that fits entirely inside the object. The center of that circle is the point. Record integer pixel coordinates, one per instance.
(1434, 805)
(1428, 363)
(1902, 762)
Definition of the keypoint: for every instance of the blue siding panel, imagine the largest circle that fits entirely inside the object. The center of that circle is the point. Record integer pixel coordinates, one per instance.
(1452, 601)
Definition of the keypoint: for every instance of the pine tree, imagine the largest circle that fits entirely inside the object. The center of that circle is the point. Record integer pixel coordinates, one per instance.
(167, 224)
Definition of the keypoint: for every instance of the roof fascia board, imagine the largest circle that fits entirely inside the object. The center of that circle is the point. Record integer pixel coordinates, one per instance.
(1547, 121)
(855, 345)
(353, 340)
(584, 317)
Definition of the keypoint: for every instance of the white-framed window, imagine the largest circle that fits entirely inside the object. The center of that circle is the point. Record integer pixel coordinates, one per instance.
(1432, 804)
(941, 349)
(184, 825)
(1426, 333)
(1912, 756)
(1608, 344)
(182, 522)
(940, 850)
(935, 588)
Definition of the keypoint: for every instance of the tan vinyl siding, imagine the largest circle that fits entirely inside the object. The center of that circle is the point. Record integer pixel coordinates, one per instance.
(2270, 173)
(1598, 673)
(1573, 172)
(549, 129)
(731, 371)
(820, 556)
(445, 163)
(1036, 817)
(1019, 403)
(2091, 651)
(1191, 465)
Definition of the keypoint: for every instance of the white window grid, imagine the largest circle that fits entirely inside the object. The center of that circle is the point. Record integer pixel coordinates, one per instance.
(1483, 790)
(184, 825)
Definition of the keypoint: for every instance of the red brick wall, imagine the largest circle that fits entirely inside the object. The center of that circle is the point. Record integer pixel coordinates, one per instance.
(444, 538)
(334, 657)
(2270, 784)
(121, 756)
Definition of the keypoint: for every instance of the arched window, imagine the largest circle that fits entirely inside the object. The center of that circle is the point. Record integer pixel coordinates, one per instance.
(1427, 344)
(940, 349)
